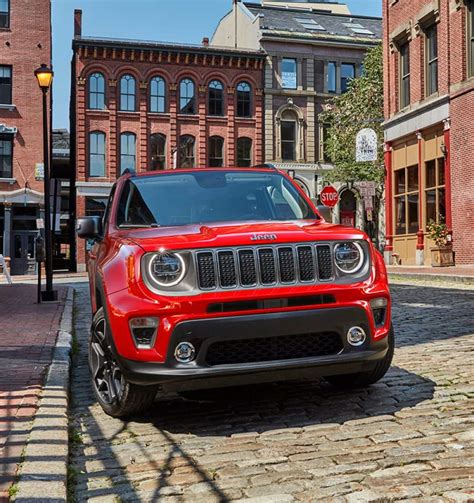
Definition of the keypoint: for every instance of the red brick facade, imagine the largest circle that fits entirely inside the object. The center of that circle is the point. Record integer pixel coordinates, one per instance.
(172, 63)
(429, 138)
(25, 44)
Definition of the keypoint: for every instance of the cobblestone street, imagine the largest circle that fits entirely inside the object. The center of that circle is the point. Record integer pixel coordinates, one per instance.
(409, 436)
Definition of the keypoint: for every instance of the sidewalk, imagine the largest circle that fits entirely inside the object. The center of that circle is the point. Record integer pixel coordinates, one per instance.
(28, 334)
(461, 274)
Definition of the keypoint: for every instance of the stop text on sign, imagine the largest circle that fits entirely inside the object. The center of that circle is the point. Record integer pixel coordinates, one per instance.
(329, 196)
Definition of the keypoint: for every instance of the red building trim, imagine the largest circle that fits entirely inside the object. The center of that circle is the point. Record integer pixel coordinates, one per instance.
(447, 174)
(388, 197)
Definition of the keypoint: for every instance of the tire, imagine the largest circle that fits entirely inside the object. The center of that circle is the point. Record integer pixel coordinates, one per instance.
(363, 379)
(117, 397)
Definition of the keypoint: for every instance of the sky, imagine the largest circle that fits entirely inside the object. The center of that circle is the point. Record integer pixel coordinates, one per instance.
(186, 21)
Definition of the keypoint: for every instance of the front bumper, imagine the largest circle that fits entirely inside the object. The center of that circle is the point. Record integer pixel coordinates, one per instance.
(203, 333)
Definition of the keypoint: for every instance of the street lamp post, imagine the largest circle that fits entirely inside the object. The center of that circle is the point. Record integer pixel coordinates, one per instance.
(44, 75)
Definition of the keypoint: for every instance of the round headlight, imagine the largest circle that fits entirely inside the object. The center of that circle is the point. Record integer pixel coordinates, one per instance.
(349, 257)
(167, 269)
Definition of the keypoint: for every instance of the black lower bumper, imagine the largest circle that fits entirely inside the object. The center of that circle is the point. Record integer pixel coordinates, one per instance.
(264, 327)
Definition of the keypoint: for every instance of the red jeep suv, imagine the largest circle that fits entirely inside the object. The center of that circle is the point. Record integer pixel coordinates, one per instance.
(218, 277)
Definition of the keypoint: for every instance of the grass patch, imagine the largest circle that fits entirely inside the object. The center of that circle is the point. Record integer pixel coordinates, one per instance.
(75, 437)
(72, 474)
(13, 490)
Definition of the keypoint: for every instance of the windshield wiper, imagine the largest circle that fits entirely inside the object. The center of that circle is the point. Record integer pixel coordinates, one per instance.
(138, 226)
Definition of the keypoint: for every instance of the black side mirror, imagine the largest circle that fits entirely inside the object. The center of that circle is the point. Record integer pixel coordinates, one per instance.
(89, 227)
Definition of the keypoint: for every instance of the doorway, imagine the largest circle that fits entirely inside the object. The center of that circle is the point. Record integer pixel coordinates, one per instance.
(347, 209)
(23, 252)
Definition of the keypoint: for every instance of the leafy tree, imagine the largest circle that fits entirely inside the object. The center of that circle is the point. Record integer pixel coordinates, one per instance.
(360, 107)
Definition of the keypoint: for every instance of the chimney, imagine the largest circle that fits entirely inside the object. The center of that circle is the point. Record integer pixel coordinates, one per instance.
(205, 42)
(77, 23)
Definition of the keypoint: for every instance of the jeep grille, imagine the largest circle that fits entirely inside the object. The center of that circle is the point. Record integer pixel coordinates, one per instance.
(264, 266)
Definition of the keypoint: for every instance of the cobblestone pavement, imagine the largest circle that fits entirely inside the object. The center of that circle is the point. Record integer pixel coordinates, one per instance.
(27, 336)
(411, 436)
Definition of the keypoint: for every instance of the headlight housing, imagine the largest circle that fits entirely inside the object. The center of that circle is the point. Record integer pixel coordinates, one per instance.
(166, 269)
(349, 257)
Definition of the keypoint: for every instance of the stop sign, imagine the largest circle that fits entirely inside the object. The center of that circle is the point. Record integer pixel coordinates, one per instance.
(329, 196)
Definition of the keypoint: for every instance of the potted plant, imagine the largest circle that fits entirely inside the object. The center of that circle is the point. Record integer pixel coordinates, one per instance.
(442, 254)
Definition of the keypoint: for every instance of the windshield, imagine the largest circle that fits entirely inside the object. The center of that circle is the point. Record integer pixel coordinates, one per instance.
(209, 196)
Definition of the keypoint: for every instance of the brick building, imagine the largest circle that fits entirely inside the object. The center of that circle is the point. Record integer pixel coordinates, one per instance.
(313, 50)
(146, 105)
(25, 43)
(429, 106)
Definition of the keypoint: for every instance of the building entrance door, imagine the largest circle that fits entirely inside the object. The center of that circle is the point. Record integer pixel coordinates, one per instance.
(347, 209)
(23, 252)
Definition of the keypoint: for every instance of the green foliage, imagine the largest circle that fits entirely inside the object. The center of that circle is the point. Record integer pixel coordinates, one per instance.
(438, 232)
(360, 107)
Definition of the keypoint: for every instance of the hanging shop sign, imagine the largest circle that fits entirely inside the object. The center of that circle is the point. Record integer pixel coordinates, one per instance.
(366, 145)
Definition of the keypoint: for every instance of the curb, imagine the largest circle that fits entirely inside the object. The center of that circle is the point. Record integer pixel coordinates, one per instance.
(43, 473)
(465, 280)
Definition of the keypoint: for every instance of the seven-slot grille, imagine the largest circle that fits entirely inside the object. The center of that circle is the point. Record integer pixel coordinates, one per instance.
(264, 266)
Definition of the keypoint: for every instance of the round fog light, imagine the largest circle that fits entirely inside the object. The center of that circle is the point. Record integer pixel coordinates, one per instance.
(356, 336)
(185, 352)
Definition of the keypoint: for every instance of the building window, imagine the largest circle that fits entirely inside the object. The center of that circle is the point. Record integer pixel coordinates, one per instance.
(97, 154)
(5, 85)
(243, 99)
(4, 13)
(157, 95)
(186, 151)
(435, 191)
(216, 152)
(331, 77)
(347, 74)
(244, 152)
(186, 97)
(158, 151)
(288, 136)
(406, 200)
(127, 93)
(95, 206)
(216, 98)
(97, 91)
(431, 48)
(470, 37)
(6, 156)
(289, 73)
(128, 143)
(404, 75)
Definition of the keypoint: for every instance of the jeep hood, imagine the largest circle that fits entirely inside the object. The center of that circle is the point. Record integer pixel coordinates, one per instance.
(237, 234)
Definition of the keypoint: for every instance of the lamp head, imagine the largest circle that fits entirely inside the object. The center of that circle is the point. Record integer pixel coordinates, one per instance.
(44, 76)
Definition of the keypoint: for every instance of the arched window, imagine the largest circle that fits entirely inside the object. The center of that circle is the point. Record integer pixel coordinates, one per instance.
(157, 95)
(216, 98)
(158, 151)
(97, 91)
(97, 154)
(243, 100)
(186, 151)
(288, 125)
(127, 93)
(128, 151)
(186, 97)
(216, 152)
(244, 152)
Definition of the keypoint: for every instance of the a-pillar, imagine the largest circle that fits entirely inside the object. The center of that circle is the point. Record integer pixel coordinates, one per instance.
(388, 250)
(420, 236)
